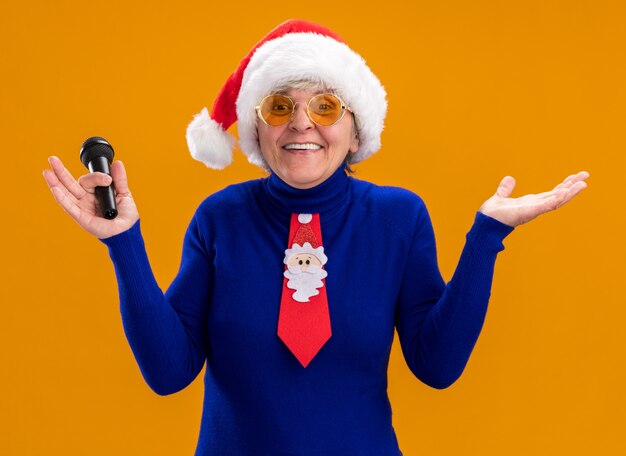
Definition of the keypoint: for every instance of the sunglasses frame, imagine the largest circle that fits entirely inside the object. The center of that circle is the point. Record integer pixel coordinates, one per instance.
(344, 108)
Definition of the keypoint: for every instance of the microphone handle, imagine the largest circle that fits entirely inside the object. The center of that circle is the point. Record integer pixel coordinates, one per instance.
(104, 195)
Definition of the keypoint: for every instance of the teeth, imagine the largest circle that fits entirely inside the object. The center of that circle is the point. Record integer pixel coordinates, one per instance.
(308, 146)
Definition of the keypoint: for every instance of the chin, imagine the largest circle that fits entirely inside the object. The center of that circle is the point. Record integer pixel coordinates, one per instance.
(303, 175)
(302, 180)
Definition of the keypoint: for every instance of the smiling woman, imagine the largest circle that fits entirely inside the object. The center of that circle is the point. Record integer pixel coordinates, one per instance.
(301, 152)
(297, 352)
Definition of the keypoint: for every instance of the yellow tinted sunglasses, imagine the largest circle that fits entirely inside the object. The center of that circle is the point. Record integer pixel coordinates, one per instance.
(324, 109)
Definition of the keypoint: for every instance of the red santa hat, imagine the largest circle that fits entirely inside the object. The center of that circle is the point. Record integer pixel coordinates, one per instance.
(296, 50)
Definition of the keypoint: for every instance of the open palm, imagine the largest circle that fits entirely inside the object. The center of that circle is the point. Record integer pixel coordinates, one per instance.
(515, 211)
(79, 200)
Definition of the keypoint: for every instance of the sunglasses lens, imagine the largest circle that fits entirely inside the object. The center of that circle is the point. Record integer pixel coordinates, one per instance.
(276, 109)
(325, 109)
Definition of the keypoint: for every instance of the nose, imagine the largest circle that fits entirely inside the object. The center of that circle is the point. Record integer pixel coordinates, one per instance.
(300, 120)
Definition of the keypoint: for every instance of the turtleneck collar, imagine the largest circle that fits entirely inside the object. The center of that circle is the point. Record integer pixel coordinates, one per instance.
(327, 198)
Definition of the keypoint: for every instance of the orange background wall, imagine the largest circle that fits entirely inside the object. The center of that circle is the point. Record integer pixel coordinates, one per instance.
(477, 90)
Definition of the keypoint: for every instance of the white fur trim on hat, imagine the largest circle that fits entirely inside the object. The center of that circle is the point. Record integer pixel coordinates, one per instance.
(311, 56)
(208, 142)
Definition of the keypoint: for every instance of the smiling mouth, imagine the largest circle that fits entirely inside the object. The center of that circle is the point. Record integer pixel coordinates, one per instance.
(306, 146)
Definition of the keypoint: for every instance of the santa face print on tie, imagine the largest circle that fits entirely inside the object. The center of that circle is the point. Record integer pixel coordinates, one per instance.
(304, 320)
(304, 270)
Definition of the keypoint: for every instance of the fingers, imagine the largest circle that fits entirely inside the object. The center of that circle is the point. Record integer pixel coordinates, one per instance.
(516, 211)
(51, 179)
(554, 199)
(572, 179)
(73, 196)
(61, 194)
(571, 192)
(89, 182)
(506, 187)
(118, 172)
(566, 182)
(65, 178)
(568, 189)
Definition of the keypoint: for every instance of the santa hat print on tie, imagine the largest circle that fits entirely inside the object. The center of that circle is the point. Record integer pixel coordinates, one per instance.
(296, 50)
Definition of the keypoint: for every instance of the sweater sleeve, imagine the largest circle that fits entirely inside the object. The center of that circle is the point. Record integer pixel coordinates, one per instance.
(166, 332)
(438, 324)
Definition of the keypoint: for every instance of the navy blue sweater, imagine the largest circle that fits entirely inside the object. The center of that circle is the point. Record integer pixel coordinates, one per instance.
(223, 306)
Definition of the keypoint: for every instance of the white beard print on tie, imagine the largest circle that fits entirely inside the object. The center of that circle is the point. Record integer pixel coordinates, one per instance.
(305, 282)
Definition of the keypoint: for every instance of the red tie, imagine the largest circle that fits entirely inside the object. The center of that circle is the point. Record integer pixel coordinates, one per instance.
(304, 321)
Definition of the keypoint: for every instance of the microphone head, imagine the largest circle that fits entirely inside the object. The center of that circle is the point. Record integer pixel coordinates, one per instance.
(95, 147)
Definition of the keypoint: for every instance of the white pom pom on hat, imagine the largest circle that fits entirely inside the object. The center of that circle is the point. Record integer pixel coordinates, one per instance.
(208, 142)
(295, 50)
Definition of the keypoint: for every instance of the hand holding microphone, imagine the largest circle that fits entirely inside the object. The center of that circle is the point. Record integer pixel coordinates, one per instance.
(91, 201)
(97, 155)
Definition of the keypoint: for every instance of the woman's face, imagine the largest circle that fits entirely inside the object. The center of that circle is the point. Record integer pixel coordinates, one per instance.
(328, 146)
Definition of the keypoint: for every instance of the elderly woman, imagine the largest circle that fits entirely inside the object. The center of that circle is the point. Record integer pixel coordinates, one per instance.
(291, 286)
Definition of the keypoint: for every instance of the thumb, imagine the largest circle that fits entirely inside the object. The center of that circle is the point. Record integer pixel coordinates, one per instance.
(118, 173)
(506, 187)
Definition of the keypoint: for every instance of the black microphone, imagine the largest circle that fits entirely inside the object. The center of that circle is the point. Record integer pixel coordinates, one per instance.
(97, 154)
